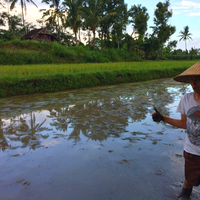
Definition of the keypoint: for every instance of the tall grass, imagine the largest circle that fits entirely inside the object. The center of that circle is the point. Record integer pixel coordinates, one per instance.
(29, 79)
(17, 52)
(10, 71)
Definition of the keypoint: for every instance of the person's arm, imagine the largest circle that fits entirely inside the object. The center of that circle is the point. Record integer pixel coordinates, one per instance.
(179, 123)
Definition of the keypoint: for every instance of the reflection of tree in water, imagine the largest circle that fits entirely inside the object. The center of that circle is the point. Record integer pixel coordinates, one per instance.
(182, 89)
(27, 132)
(96, 114)
(3, 141)
(95, 120)
(99, 119)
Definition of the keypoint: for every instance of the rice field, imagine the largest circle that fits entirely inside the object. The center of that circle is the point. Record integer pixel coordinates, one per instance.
(22, 71)
(30, 79)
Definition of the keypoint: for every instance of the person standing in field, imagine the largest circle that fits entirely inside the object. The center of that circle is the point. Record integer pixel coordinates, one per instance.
(189, 107)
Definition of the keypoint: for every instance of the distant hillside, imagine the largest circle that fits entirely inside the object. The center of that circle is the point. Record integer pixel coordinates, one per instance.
(17, 52)
(31, 52)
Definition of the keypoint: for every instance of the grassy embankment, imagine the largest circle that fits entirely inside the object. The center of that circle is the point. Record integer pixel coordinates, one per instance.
(29, 79)
(17, 52)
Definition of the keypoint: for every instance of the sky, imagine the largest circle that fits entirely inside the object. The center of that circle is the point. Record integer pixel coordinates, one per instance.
(185, 13)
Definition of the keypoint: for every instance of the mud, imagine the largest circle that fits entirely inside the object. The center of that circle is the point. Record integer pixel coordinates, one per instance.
(98, 143)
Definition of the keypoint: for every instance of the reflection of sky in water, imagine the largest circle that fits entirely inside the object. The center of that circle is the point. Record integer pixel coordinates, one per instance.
(103, 136)
(95, 114)
(178, 92)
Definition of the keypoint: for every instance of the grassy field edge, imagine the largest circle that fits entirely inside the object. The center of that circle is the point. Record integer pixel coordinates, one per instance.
(61, 82)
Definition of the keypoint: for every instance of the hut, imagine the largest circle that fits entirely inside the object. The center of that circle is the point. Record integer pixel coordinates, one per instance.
(40, 35)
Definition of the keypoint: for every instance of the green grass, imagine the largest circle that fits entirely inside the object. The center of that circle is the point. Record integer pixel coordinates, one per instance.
(17, 52)
(30, 79)
(28, 71)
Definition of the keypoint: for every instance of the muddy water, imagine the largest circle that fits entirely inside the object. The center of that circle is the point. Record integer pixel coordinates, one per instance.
(92, 144)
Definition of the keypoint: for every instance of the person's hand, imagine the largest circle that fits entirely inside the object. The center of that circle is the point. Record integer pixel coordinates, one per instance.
(156, 116)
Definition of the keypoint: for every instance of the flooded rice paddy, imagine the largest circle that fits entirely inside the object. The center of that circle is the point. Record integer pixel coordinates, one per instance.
(92, 144)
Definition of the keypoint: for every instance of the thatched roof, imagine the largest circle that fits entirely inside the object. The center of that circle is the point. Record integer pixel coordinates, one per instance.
(41, 31)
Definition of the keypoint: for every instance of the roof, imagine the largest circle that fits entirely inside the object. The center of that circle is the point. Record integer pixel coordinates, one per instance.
(30, 34)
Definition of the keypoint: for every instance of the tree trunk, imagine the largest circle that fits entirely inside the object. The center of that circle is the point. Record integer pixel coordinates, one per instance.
(118, 43)
(146, 55)
(185, 45)
(23, 21)
(76, 38)
(79, 34)
(93, 39)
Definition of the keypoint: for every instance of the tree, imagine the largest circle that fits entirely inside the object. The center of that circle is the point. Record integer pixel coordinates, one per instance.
(185, 35)
(150, 46)
(73, 19)
(172, 44)
(54, 14)
(23, 7)
(121, 20)
(162, 30)
(128, 42)
(14, 24)
(91, 12)
(2, 19)
(139, 18)
(108, 8)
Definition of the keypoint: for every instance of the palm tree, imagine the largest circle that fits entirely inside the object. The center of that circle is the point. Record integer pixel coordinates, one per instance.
(92, 14)
(54, 14)
(73, 19)
(185, 35)
(23, 7)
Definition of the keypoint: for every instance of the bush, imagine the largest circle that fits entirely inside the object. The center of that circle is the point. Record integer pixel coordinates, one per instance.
(22, 57)
(63, 52)
(183, 57)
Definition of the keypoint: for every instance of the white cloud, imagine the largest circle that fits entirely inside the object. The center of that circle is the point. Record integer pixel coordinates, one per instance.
(195, 43)
(190, 7)
(195, 14)
(33, 13)
(176, 12)
(190, 4)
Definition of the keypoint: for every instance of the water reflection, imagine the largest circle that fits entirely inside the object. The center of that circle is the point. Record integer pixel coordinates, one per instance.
(22, 131)
(96, 113)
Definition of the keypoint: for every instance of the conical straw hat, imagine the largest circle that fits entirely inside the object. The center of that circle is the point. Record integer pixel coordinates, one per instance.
(192, 71)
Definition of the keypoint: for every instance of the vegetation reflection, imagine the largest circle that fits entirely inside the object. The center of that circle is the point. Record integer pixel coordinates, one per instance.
(95, 114)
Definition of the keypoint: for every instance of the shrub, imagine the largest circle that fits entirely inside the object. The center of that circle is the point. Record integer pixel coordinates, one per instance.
(63, 52)
(22, 57)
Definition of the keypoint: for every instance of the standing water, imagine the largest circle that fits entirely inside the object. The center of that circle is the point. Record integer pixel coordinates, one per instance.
(92, 144)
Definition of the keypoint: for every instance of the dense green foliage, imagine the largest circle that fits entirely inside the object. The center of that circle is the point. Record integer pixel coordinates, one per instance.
(182, 57)
(19, 80)
(29, 52)
(139, 18)
(17, 52)
(105, 25)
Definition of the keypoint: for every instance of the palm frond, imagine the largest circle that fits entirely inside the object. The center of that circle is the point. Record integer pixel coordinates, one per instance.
(12, 5)
(33, 3)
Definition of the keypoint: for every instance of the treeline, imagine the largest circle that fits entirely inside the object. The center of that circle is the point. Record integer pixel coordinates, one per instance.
(105, 23)
(17, 52)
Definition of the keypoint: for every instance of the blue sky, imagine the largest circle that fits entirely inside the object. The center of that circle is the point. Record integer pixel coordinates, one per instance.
(185, 12)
